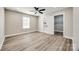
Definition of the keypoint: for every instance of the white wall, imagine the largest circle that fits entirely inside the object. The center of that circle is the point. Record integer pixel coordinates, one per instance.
(67, 20)
(69, 23)
(1, 26)
(13, 23)
(76, 27)
(50, 24)
(40, 23)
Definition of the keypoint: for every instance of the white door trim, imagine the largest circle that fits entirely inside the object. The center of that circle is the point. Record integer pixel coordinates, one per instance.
(62, 13)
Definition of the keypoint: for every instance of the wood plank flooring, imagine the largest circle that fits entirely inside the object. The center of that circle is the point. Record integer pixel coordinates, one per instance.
(37, 41)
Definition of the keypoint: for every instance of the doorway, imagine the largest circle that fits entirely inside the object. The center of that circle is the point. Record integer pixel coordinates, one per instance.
(58, 25)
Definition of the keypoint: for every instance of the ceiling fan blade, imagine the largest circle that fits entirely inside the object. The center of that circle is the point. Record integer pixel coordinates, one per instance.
(36, 8)
(42, 10)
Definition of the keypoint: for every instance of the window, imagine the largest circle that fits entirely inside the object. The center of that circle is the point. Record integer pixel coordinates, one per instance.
(26, 22)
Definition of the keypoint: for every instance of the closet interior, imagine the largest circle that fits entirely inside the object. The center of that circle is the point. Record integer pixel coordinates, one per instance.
(58, 24)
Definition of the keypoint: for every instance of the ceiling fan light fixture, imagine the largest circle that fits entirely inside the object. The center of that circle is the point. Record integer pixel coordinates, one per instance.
(38, 10)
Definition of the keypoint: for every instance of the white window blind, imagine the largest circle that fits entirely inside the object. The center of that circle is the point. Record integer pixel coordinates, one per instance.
(26, 22)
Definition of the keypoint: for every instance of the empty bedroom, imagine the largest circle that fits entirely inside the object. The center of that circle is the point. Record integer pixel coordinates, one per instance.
(38, 29)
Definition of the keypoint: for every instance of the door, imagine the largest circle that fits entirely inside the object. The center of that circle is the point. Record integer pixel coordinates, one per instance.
(58, 23)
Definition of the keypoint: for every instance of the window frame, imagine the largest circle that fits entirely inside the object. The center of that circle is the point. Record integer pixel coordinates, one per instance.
(27, 25)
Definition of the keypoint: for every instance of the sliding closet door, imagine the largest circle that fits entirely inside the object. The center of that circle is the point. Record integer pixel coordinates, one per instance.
(58, 23)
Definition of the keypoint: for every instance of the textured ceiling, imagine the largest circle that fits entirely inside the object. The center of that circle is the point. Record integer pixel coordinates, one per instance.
(31, 10)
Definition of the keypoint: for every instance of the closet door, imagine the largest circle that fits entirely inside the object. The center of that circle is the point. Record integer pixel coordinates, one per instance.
(58, 23)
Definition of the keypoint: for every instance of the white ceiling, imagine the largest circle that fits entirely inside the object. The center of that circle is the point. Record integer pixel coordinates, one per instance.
(31, 10)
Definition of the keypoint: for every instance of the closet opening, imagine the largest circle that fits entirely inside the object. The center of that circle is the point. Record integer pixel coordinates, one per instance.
(58, 25)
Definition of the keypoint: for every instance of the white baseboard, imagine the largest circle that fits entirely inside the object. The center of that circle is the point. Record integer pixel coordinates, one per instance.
(19, 33)
(48, 32)
(1, 42)
(74, 47)
(68, 37)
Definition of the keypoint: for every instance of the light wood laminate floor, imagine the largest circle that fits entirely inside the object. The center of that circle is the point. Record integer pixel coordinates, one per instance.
(37, 41)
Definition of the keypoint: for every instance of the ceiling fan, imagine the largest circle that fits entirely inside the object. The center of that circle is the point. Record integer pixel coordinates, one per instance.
(39, 10)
